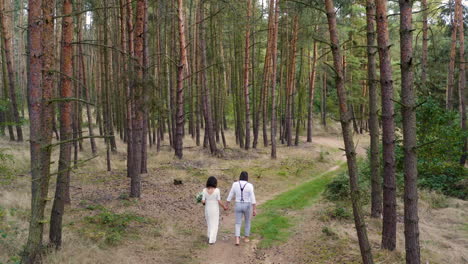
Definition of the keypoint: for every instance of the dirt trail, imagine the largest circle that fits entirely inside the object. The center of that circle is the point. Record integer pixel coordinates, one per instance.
(225, 252)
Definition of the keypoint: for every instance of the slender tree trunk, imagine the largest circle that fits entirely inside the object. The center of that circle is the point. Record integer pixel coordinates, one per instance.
(8, 114)
(376, 186)
(130, 84)
(39, 138)
(462, 82)
(413, 255)
(7, 41)
(145, 94)
(290, 81)
(274, 46)
(138, 102)
(40, 91)
(311, 92)
(66, 108)
(323, 105)
(300, 95)
(206, 97)
(388, 129)
(425, 40)
(451, 69)
(181, 69)
(246, 77)
(267, 72)
(345, 119)
(87, 95)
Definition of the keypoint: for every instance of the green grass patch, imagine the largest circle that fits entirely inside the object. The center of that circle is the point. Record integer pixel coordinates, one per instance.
(273, 223)
(109, 228)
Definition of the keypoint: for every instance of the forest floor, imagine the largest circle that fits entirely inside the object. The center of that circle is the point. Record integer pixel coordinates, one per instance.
(166, 225)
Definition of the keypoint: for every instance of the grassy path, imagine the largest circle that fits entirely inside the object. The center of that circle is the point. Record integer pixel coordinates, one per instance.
(275, 219)
(272, 224)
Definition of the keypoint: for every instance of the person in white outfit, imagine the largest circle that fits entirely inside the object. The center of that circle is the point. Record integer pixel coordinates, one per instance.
(246, 205)
(212, 200)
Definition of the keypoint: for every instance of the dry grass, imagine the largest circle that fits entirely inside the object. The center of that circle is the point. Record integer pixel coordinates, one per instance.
(179, 229)
(176, 232)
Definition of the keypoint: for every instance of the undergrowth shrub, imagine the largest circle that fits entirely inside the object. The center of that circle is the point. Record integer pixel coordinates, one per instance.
(109, 227)
(338, 190)
(440, 140)
(6, 173)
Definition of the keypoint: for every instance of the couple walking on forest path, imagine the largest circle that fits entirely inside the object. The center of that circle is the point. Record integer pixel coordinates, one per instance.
(245, 207)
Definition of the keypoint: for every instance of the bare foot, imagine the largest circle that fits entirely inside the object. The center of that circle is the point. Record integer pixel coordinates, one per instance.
(246, 239)
(237, 241)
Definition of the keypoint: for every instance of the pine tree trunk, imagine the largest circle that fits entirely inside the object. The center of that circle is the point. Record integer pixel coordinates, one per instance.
(138, 102)
(130, 84)
(451, 69)
(274, 46)
(40, 91)
(323, 104)
(425, 40)
(145, 94)
(311, 92)
(267, 73)
(388, 129)
(462, 82)
(7, 41)
(87, 95)
(206, 97)
(410, 162)
(345, 119)
(376, 186)
(290, 81)
(66, 91)
(300, 99)
(8, 114)
(246, 77)
(181, 69)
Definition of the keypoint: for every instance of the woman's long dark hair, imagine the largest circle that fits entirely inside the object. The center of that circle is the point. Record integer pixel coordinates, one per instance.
(212, 182)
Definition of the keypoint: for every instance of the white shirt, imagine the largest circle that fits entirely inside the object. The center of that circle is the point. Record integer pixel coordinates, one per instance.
(248, 193)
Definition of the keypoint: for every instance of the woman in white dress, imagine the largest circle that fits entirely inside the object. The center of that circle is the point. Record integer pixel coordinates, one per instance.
(212, 200)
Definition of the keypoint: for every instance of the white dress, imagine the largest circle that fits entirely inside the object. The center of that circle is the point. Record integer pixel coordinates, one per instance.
(212, 213)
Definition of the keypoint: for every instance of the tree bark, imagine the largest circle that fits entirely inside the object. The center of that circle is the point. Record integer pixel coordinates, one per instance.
(345, 120)
(311, 92)
(5, 26)
(413, 255)
(145, 92)
(267, 72)
(274, 59)
(462, 82)
(130, 84)
(87, 95)
(8, 114)
(290, 81)
(66, 108)
(388, 128)
(246, 77)
(376, 180)
(206, 97)
(300, 95)
(451, 69)
(40, 116)
(181, 69)
(323, 105)
(425, 40)
(138, 102)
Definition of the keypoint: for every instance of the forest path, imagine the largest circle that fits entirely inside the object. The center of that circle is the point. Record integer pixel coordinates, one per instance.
(224, 250)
